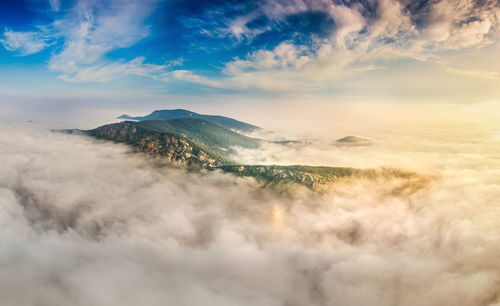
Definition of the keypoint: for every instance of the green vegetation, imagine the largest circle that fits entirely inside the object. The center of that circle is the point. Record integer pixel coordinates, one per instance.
(306, 175)
(170, 114)
(210, 135)
(310, 176)
(159, 139)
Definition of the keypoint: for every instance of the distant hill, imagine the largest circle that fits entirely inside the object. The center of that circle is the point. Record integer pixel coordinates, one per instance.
(353, 141)
(166, 114)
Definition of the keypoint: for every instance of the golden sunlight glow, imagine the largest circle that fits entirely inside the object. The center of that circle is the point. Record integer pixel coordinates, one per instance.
(277, 218)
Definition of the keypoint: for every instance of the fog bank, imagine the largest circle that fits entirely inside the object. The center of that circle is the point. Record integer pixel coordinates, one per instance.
(88, 223)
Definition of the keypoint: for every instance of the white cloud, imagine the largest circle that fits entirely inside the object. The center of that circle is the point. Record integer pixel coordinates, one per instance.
(94, 29)
(89, 31)
(367, 35)
(97, 225)
(238, 28)
(264, 70)
(284, 56)
(110, 71)
(25, 43)
(361, 40)
(457, 24)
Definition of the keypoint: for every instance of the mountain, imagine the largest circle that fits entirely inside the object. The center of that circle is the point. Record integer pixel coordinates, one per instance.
(200, 144)
(222, 121)
(215, 137)
(172, 138)
(160, 141)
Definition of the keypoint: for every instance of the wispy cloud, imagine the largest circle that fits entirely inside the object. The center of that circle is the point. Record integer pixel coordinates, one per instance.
(88, 32)
(55, 5)
(24, 43)
(475, 73)
(110, 71)
(91, 30)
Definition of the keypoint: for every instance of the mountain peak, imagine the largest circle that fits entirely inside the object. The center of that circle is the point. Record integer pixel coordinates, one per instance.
(169, 114)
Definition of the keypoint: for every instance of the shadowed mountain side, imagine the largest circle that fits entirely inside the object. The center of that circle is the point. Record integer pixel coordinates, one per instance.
(225, 122)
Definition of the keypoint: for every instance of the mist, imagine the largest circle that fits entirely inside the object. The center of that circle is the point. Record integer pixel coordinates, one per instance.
(88, 222)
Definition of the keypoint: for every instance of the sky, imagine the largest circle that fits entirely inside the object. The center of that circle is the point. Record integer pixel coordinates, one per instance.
(270, 50)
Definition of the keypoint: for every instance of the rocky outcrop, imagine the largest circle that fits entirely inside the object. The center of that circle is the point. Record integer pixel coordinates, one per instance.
(174, 148)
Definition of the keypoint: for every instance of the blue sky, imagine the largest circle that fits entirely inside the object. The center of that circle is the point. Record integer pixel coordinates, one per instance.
(401, 49)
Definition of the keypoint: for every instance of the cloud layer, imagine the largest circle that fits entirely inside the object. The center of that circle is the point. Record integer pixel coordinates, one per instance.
(87, 222)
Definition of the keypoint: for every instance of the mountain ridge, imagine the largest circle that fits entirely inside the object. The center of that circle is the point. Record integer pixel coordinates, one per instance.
(201, 144)
(169, 114)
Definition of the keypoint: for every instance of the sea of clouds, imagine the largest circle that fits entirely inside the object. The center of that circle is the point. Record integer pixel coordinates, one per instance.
(86, 222)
